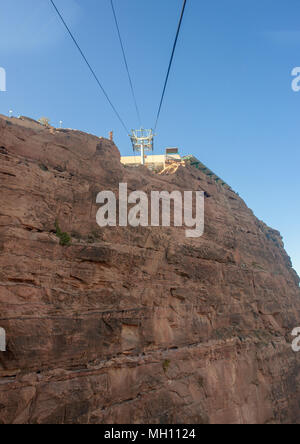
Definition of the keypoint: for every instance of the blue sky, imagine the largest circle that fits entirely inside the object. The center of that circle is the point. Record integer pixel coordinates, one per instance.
(229, 101)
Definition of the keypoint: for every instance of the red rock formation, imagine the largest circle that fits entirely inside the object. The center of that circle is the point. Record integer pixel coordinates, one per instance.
(135, 325)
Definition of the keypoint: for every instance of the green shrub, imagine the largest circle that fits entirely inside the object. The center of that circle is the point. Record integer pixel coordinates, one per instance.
(166, 365)
(64, 238)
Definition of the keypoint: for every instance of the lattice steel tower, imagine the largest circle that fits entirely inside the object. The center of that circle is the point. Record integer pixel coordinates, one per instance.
(142, 141)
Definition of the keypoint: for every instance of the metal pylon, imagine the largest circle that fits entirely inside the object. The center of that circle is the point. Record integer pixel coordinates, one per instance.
(142, 141)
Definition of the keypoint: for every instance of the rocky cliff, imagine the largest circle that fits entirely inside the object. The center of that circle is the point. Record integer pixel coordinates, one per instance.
(135, 325)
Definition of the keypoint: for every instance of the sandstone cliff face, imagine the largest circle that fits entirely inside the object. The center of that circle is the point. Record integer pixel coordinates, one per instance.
(135, 325)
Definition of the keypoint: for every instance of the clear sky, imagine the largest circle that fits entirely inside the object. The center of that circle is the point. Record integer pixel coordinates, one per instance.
(229, 100)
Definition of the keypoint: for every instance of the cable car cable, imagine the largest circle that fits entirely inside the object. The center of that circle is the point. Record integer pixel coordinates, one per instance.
(171, 62)
(89, 66)
(126, 63)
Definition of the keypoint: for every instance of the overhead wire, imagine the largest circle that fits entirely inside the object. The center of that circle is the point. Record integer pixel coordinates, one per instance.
(126, 63)
(89, 66)
(170, 63)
